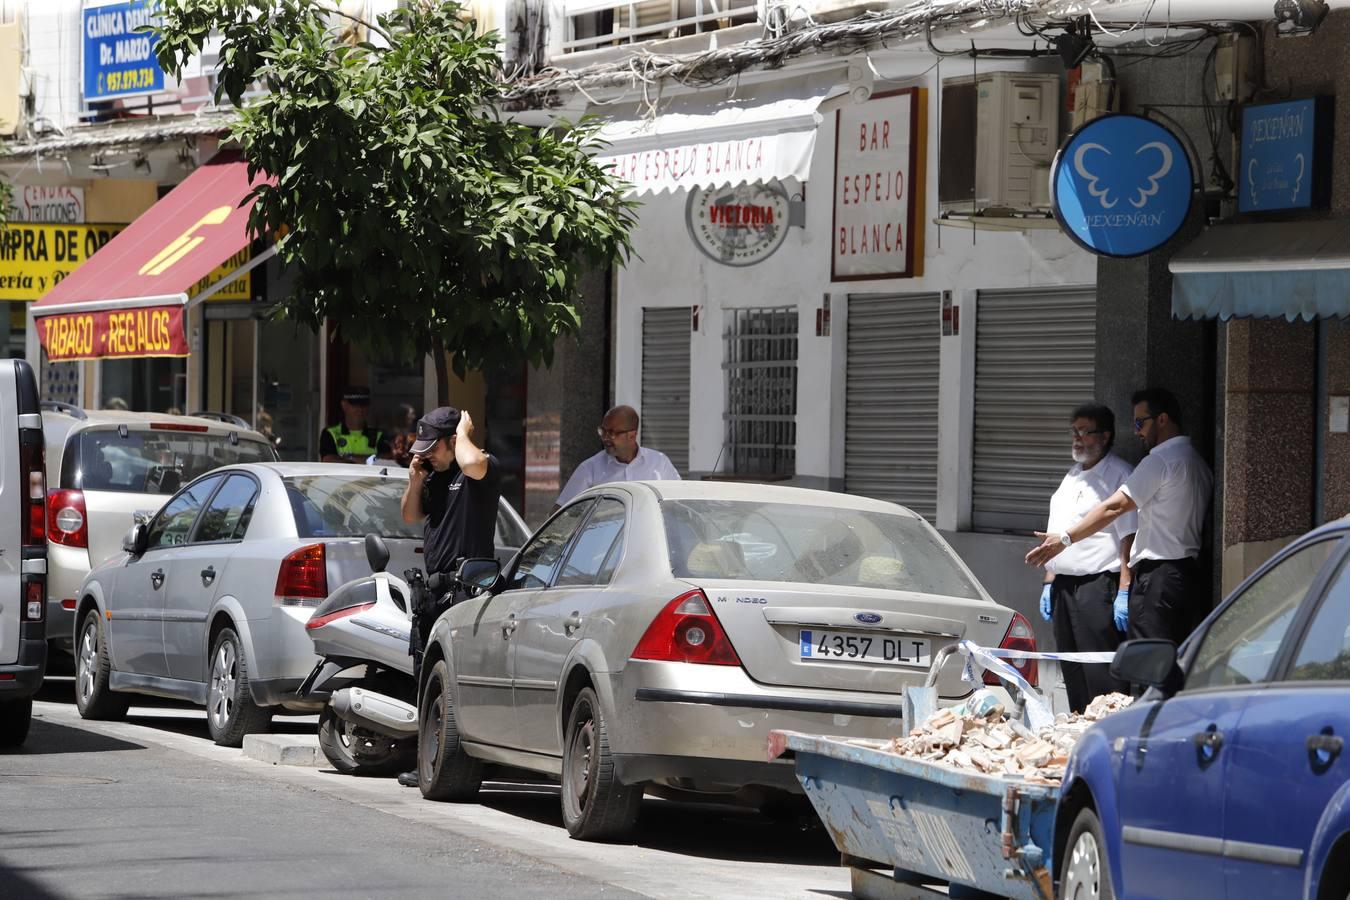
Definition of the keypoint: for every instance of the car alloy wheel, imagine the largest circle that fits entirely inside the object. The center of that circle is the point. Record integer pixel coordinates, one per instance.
(224, 690)
(86, 660)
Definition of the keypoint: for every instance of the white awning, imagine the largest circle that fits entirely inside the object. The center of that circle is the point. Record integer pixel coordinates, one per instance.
(693, 142)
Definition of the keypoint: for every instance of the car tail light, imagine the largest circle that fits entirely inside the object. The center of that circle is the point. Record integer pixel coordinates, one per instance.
(35, 601)
(687, 631)
(320, 621)
(1019, 637)
(34, 524)
(303, 574)
(67, 519)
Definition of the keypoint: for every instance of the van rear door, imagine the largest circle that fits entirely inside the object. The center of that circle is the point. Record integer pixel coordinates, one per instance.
(23, 548)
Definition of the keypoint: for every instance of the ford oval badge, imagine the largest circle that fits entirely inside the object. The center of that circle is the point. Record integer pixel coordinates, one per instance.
(867, 618)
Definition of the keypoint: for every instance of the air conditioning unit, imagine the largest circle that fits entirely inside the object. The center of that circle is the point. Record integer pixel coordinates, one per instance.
(999, 134)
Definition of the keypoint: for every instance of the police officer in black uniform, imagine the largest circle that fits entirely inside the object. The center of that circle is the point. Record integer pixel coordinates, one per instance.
(454, 488)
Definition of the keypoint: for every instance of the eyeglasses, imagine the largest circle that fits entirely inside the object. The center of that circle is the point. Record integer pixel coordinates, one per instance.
(1139, 422)
(1074, 432)
(607, 433)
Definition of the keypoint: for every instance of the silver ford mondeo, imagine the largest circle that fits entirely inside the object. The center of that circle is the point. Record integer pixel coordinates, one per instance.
(650, 635)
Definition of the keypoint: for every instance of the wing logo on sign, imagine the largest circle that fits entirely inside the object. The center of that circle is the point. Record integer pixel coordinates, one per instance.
(184, 244)
(1122, 185)
(1145, 192)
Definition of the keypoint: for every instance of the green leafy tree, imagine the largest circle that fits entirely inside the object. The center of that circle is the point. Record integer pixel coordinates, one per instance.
(413, 215)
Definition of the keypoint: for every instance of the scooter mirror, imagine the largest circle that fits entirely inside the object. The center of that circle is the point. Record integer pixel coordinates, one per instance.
(377, 554)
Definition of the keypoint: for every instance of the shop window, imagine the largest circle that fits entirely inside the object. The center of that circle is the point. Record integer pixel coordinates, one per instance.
(760, 359)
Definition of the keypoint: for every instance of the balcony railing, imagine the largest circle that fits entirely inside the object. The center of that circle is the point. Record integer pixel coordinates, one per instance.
(592, 24)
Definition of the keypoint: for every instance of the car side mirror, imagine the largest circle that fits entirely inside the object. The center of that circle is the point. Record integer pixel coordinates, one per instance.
(1148, 661)
(136, 539)
(377, 553)
(479, 575)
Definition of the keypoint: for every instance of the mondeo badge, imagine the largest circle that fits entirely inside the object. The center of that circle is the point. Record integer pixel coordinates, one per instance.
(867, 618)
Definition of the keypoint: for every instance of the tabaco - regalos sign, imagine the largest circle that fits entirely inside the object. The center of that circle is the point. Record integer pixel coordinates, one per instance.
(879, 167)
(34, 257)
(738, 225)
(110, 334)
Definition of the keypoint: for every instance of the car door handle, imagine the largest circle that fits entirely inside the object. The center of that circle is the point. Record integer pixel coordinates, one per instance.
(208, 575)
(1323, 749)
(509, 627)
(157, 579)
(572, 623)
(1207, 744)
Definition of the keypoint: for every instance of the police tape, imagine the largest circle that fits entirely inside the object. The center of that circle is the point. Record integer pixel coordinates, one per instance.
(994, 660)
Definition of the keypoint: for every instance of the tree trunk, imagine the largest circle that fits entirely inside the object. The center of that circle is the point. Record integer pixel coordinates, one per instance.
(442, 374)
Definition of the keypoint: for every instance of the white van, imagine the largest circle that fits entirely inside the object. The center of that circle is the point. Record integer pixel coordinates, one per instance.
(23, 550)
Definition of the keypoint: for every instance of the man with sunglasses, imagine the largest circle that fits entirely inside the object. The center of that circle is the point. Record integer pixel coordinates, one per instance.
(621, 460)
(1170, 489)
(1082, 584)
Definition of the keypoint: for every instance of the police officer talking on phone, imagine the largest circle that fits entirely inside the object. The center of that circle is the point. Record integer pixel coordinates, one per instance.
(453, 488)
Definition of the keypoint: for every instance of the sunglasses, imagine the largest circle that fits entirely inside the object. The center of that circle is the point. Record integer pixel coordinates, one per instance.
(606, 433)
(1139, 422)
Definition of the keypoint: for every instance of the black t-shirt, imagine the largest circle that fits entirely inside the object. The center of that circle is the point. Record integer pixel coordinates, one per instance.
(461, 515)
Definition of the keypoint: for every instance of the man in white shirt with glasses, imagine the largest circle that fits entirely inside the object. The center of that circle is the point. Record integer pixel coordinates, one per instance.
(1170, 488)
(1083, 583)
(621, 460)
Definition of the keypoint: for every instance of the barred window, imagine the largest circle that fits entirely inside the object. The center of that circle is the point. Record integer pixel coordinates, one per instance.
(761, 367)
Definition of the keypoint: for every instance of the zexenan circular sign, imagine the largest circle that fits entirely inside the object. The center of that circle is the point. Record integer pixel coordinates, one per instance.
(738, 225)
(1121, 185)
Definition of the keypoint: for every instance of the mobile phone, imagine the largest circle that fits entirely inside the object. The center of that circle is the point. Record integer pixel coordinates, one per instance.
(425, 464)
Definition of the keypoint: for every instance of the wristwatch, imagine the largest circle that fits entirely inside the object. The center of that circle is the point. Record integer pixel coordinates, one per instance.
(1065, 539)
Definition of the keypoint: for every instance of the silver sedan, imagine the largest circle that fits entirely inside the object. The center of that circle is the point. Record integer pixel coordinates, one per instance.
(209, 599)
(650, 635)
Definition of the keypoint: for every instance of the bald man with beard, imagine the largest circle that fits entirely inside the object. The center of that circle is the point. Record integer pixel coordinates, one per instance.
(621, 460)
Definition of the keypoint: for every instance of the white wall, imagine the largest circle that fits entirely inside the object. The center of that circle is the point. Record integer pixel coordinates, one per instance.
(672, 272)
(52, 29)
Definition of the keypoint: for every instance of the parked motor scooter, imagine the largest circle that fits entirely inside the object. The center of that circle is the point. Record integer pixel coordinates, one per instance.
(369, 726)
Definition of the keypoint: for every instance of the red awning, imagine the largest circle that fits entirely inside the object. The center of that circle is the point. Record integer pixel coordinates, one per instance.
(128, 300)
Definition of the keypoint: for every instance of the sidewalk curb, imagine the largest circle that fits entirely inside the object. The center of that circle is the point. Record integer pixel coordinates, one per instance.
(285, 750)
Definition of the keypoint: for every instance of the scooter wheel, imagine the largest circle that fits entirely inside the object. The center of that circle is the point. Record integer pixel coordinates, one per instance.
(355, 751)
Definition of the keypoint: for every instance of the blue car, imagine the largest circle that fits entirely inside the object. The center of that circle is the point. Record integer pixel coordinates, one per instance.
(1227, 778)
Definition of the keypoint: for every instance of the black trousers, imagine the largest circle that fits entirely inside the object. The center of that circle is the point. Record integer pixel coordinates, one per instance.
(1084, 624)
(1165, 599)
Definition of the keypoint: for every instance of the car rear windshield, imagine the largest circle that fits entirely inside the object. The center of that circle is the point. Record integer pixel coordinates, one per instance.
(152, 462)
(348, 506)
(753, 541)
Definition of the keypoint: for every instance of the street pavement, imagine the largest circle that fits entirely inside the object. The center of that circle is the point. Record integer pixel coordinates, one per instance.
(150, 807)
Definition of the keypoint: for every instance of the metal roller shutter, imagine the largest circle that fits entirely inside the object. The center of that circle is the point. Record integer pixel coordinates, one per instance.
(665, 383)
(1034, 356)
(891, 399)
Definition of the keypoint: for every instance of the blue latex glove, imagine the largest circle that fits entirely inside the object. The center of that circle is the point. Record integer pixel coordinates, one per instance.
(1122, 608)
(1046, 610)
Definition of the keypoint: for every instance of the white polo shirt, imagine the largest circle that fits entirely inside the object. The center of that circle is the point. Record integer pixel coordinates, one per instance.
(648, 465)
(1080, 491)
(1171, 488)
